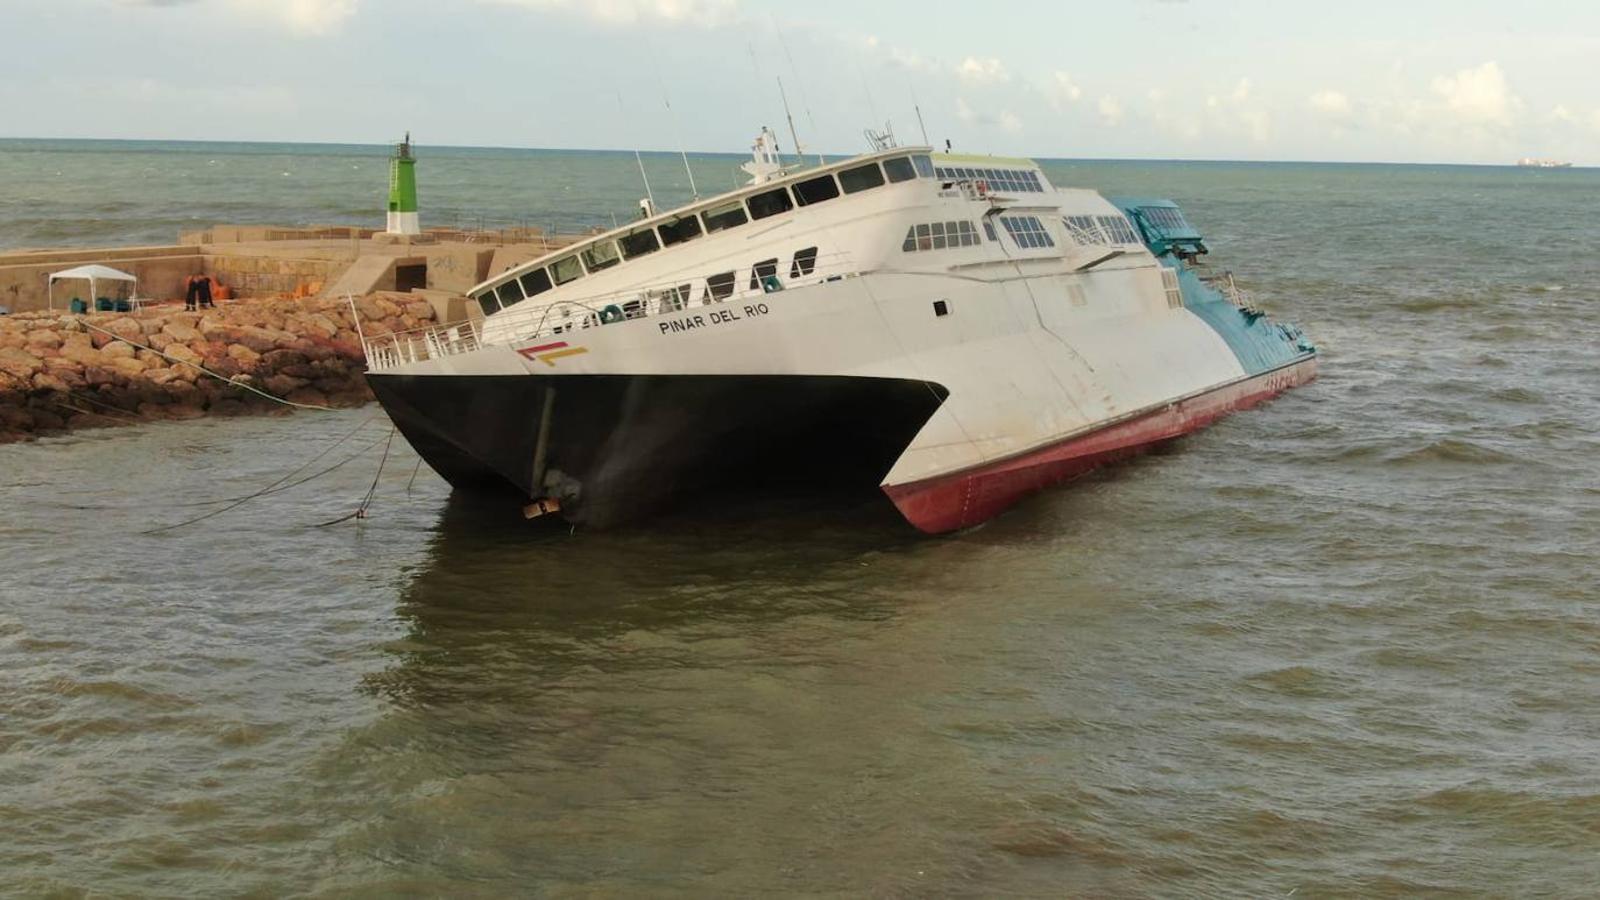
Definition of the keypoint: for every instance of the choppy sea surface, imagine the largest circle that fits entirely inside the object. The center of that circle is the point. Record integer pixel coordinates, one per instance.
(1345, 645)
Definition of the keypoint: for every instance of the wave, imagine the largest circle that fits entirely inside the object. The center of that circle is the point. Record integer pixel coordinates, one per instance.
(1454, 451)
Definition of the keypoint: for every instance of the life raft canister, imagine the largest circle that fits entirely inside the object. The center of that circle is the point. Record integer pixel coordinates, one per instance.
(612, 313)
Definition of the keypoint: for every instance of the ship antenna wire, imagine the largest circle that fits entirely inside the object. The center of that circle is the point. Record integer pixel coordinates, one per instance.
(623, 112)
(805, 101)
(677, 132)
(799, 153)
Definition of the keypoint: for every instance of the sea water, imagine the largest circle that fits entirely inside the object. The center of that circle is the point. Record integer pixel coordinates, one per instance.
(1347, 644)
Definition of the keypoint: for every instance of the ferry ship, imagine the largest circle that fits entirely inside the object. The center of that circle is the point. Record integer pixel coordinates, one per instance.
(954, 330)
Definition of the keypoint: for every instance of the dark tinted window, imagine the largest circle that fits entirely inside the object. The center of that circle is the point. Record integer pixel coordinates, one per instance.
(816, 190)
(861, 178)
(805, 262)
(924, 166)
(487, 302)
(510, 293)
(679, 230)
(566, 269)
(639, 243)
(729, 215)
(536, 282)
(899, 169)
(761, 270)
(719, 287)
(770, 203)
(600, 256)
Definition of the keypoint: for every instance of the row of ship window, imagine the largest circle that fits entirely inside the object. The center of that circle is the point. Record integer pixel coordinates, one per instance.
(718, 287)
(1005, 180)
(603, 255)
(1027, 232)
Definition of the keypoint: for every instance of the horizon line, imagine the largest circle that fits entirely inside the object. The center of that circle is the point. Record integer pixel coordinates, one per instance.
(740, 154)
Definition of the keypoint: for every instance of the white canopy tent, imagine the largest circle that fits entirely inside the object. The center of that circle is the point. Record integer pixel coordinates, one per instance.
(92, 274)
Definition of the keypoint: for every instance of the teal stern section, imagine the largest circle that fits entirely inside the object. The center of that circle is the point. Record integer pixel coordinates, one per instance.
(1259, 343)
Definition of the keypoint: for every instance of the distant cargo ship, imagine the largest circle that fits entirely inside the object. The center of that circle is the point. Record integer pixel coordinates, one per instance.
(1529, 162)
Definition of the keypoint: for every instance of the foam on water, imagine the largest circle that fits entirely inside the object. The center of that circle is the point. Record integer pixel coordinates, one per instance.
(1345, 645)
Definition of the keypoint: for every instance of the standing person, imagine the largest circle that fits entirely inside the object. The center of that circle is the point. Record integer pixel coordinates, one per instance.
(205, 293)
(191, 292)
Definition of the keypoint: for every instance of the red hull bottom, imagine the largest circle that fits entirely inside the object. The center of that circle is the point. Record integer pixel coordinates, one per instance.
(973, 496)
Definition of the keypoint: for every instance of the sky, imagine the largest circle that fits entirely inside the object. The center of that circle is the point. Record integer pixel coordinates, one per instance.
(1451, 81)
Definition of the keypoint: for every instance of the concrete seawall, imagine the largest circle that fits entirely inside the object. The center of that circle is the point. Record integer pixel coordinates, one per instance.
(59, 372)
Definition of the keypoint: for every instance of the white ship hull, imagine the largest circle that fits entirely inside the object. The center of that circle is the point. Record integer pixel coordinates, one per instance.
(955, 391)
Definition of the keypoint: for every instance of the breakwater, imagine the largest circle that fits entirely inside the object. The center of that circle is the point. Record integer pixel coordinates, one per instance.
(59, 372)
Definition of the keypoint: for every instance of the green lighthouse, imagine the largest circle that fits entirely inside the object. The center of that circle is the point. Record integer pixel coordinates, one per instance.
(403, 190)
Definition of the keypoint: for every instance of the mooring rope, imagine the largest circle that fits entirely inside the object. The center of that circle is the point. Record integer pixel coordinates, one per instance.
(239, 384)
(366, 502)
(273, 487)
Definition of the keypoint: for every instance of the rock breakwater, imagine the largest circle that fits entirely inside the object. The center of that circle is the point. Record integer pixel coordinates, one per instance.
(68, 371)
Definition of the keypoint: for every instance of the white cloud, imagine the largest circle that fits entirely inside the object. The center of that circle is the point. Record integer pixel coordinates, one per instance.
(1562, 114)
(1110, 110)
(313, 18)
(983, 71)
(1062, 91)
(698, 13)
(1478, 96)
(1241, 91)
(1333, 103)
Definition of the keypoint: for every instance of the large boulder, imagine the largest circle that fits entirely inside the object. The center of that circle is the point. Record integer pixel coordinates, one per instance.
(19, 363)
(246, 356)
(180, 331)
(262, 340)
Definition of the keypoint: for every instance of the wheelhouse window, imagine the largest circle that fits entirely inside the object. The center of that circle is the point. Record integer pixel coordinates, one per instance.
(566, 269)
(488, 303)
(769, 203)
(601, 256)
(861, 178)
(510, 293)
(816, 190)
(923, 164)
(899, 169)
(535, 283)
(721, 218)
(719, 287)
(679, 231)
(1028, 232)
(805, 262)
(640, 243)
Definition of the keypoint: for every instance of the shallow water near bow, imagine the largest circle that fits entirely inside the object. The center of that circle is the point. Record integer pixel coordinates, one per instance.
(1348, 644)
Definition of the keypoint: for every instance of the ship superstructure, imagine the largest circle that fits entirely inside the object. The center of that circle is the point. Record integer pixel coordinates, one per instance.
(953, 329)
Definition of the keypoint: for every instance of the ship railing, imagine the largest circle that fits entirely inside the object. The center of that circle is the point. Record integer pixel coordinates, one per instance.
(532, 320)
(400, 348)
(566, 315)
(1224, 284)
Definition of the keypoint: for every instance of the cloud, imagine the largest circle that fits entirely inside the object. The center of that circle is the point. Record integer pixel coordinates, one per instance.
(696, 13)
(1332, 103)
(1062, 91)
(982, 71)
(1004, 119)
(1110, 110)
(311, 18)
(1480, 96)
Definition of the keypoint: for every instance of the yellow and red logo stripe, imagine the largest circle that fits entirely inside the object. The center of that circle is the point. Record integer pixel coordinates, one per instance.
(549, 353)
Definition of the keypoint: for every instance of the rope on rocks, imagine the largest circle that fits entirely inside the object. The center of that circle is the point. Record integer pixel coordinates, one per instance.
(238, 384)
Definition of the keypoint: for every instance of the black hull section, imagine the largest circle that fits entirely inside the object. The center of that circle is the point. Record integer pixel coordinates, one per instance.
(617, 447)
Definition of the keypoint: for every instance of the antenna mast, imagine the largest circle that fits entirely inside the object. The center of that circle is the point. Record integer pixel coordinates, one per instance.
(799, 152)
(649, 194)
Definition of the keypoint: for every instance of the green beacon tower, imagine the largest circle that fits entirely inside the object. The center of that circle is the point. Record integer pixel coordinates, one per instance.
(403, 190)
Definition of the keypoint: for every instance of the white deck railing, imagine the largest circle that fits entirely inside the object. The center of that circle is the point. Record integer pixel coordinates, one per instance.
(531, 320)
